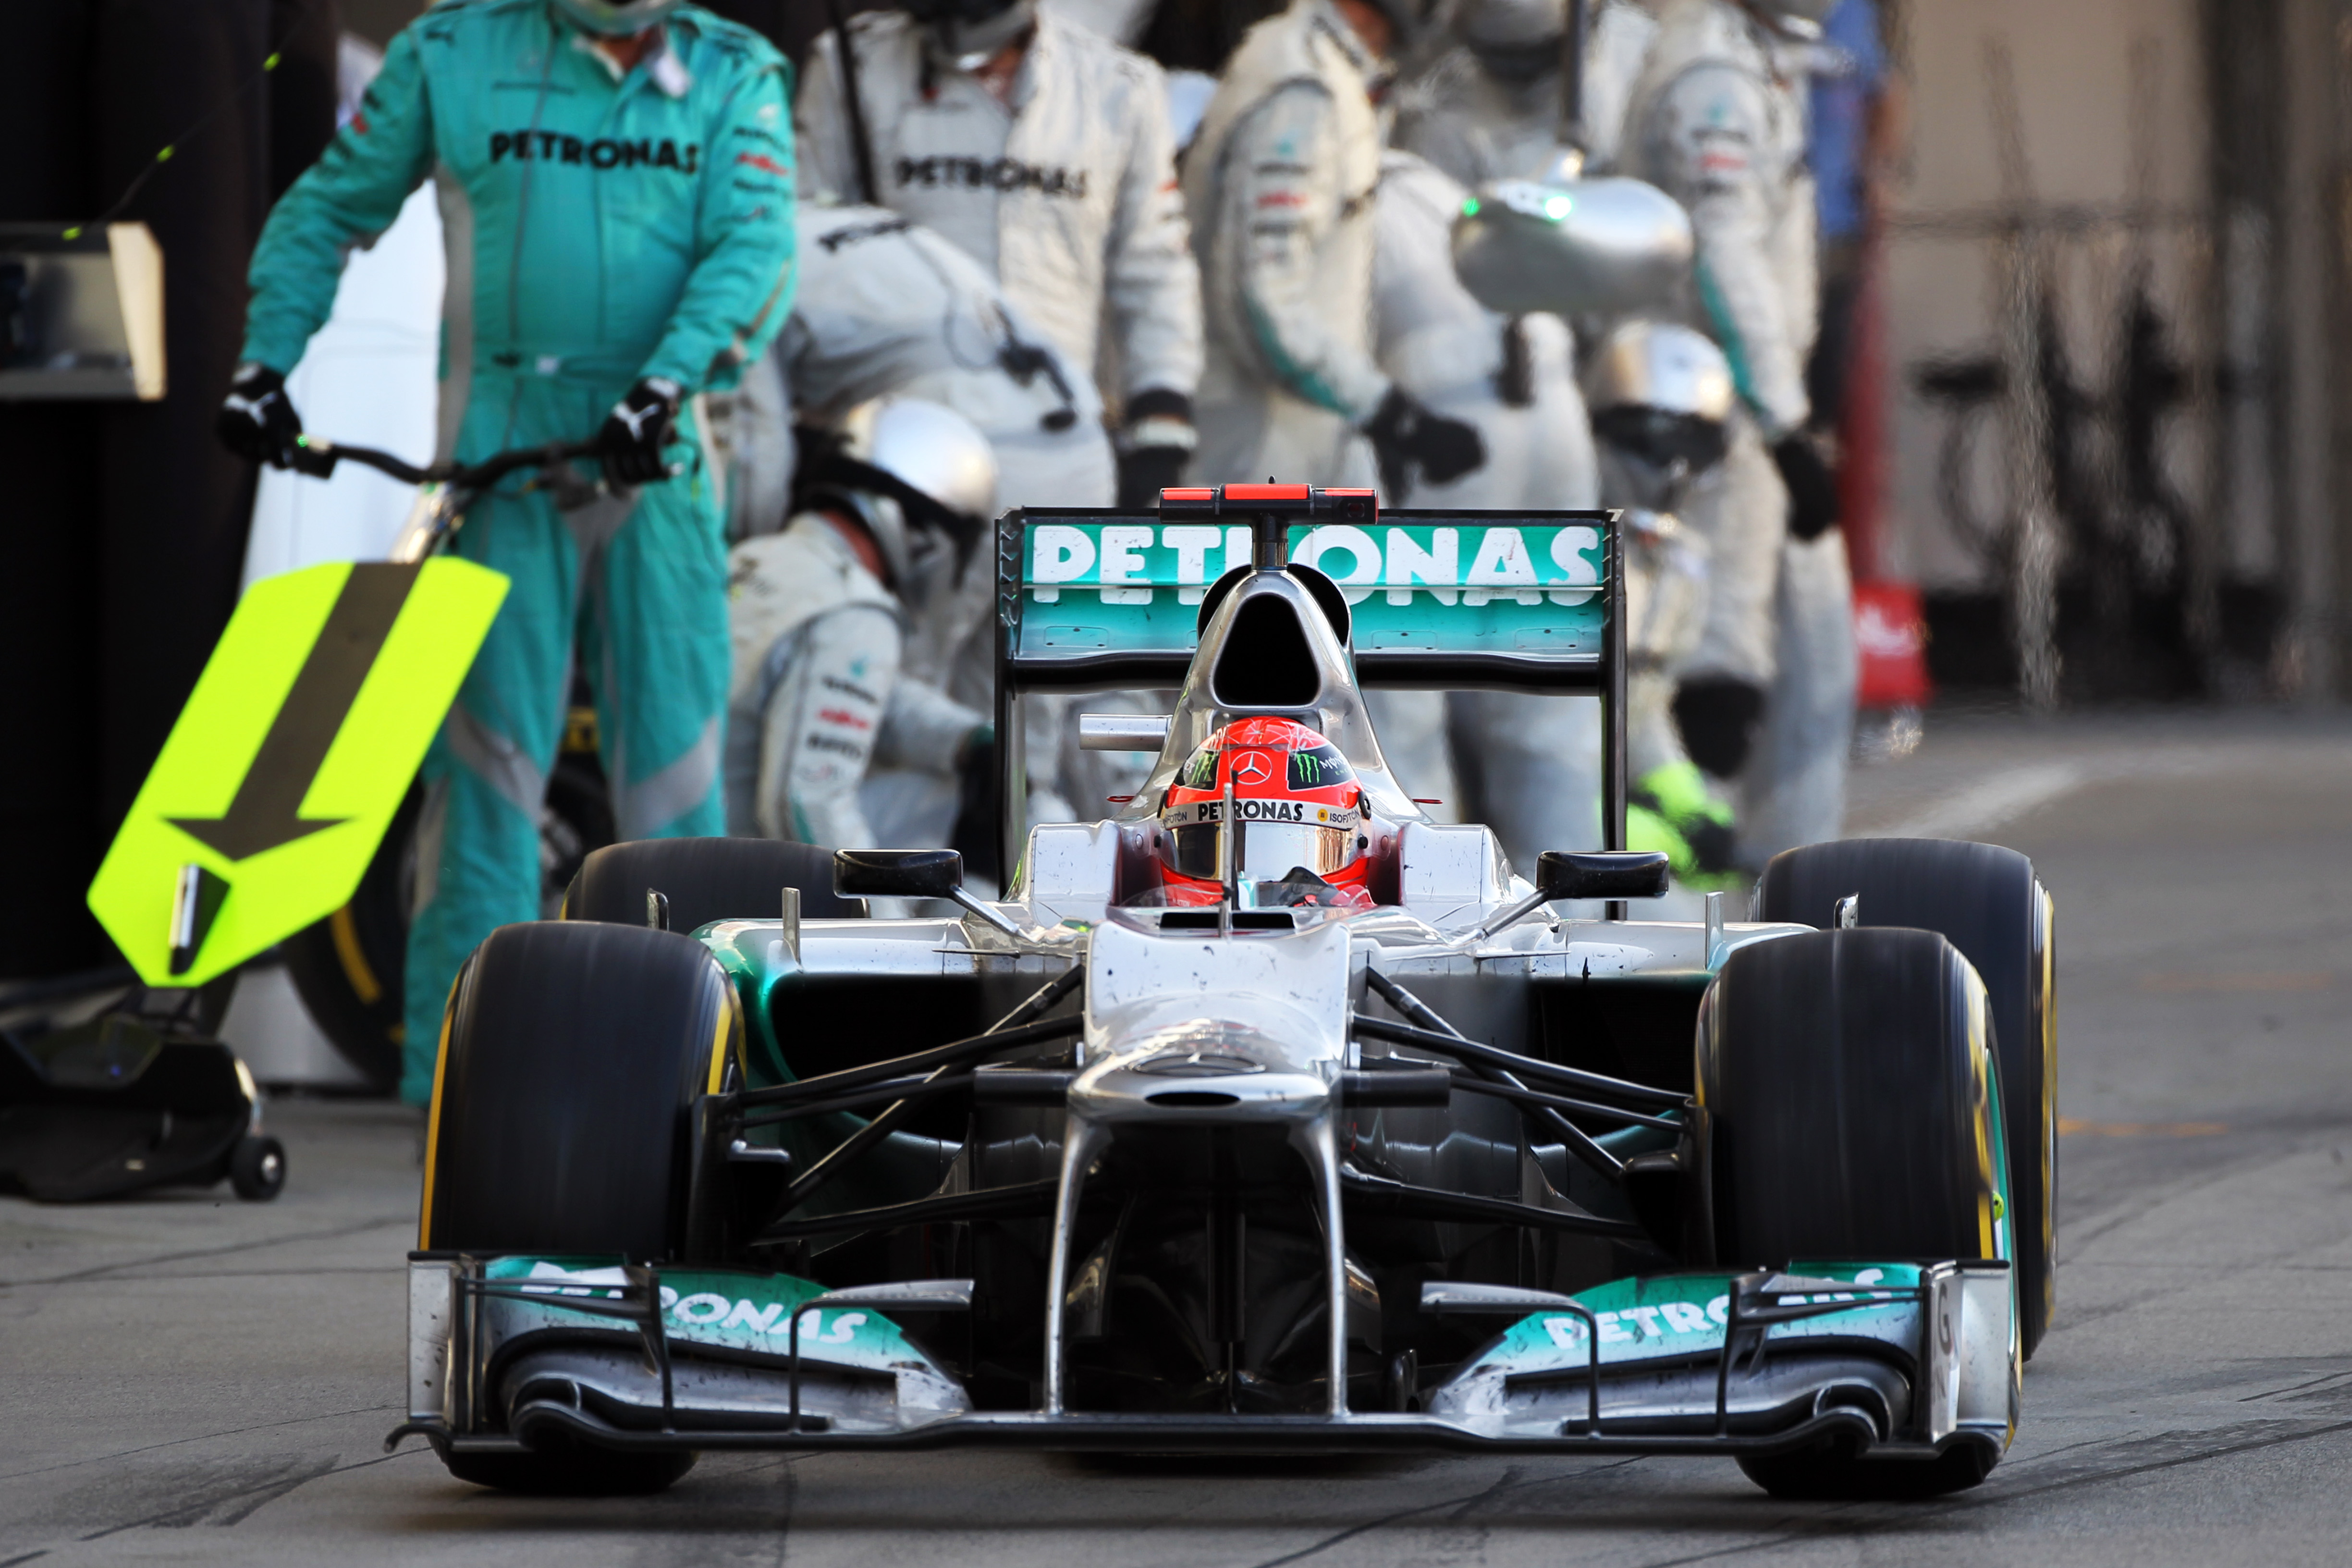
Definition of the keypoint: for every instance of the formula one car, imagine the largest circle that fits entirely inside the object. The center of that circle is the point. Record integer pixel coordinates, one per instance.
(1265, 1114)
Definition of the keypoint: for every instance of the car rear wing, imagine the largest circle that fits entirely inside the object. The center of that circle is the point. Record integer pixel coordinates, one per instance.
(1528, 601)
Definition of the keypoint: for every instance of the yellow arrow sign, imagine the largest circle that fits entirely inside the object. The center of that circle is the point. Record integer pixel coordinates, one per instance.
(289, 759)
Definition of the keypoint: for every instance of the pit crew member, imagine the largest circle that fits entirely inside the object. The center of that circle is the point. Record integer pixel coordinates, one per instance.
(818, 619)
(1489, 107)
(1528, 767)
(1045, 152)
(615, 183)
(1717, 119)
(1280, 184)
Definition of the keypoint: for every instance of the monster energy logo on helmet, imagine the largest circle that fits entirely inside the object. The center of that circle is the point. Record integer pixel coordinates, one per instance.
(1319, 768)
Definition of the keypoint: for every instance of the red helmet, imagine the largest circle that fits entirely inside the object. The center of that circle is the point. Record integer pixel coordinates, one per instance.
(1297, 806)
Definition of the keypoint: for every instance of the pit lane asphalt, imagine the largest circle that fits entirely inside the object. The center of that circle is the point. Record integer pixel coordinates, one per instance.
(194, 1380)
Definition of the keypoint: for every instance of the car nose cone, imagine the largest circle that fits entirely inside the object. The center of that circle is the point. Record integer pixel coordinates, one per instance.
(1207, 1070)
(1196, 1064)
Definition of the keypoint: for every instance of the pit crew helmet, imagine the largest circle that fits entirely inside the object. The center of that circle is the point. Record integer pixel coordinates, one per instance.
(1800, 18)
(1514, 41)
(1660, 393)
(970, 32)
(920, 476)
(1296, 809)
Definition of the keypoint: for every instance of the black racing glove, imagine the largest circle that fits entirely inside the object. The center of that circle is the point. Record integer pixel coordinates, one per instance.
(633, 435)
(1404, 434)
(1144, 472)
(1717, 715)
(1812, 486)
(258, 421)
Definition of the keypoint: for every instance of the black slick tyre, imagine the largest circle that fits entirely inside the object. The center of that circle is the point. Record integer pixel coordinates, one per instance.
(1986, 901)
(571, 1056)
(1846, 1089)
(705, 880)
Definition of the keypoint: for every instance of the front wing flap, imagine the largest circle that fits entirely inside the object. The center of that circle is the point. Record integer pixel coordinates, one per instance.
(1905, 1358)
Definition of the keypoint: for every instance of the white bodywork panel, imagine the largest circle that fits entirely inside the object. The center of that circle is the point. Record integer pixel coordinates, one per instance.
(1289, 990)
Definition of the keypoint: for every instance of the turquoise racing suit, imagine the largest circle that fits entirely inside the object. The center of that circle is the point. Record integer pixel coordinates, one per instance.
(601, 227)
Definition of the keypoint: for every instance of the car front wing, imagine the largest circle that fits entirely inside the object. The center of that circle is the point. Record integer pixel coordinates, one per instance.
(1900, 1360)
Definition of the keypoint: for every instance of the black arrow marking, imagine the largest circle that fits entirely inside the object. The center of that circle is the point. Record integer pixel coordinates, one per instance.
(267, 809)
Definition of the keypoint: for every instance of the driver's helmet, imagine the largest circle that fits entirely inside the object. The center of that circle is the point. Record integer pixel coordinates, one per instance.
(1298, 810)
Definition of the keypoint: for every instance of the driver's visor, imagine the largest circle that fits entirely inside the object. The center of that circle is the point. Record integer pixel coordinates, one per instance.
(1270, 850)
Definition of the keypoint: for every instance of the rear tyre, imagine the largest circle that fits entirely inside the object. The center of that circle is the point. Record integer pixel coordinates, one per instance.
(1847, 1092)
(351, 968)
(1984, 901)
(705, 880)
(348, 968)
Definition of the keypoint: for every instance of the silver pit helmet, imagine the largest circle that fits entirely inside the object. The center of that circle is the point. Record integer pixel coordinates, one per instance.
(1661, 398)
(1407, 20)
(1514, 41)
(615, 18)
(920, 476)
(1798, 19)
(972, 32)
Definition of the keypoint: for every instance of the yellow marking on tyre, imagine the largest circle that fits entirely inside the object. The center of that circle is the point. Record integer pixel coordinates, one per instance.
(1980, 1076)
(346, 932)
(719, 1042)
(433, 1121)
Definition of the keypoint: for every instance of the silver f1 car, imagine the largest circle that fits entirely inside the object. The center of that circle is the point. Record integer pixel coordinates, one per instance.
(1266, 1114)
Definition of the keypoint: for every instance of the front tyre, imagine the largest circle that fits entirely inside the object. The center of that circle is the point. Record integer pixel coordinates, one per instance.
(1986, 901)
(562, 1122)
(1848, 1099)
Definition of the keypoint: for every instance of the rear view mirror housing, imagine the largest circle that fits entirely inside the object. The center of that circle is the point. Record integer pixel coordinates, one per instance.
(1600, 874)
(912, 874)
(897, 873)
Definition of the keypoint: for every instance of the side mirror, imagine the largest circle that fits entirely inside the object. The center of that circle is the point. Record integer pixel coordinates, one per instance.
(1600, 874)
(911, 874)
(897, 873)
